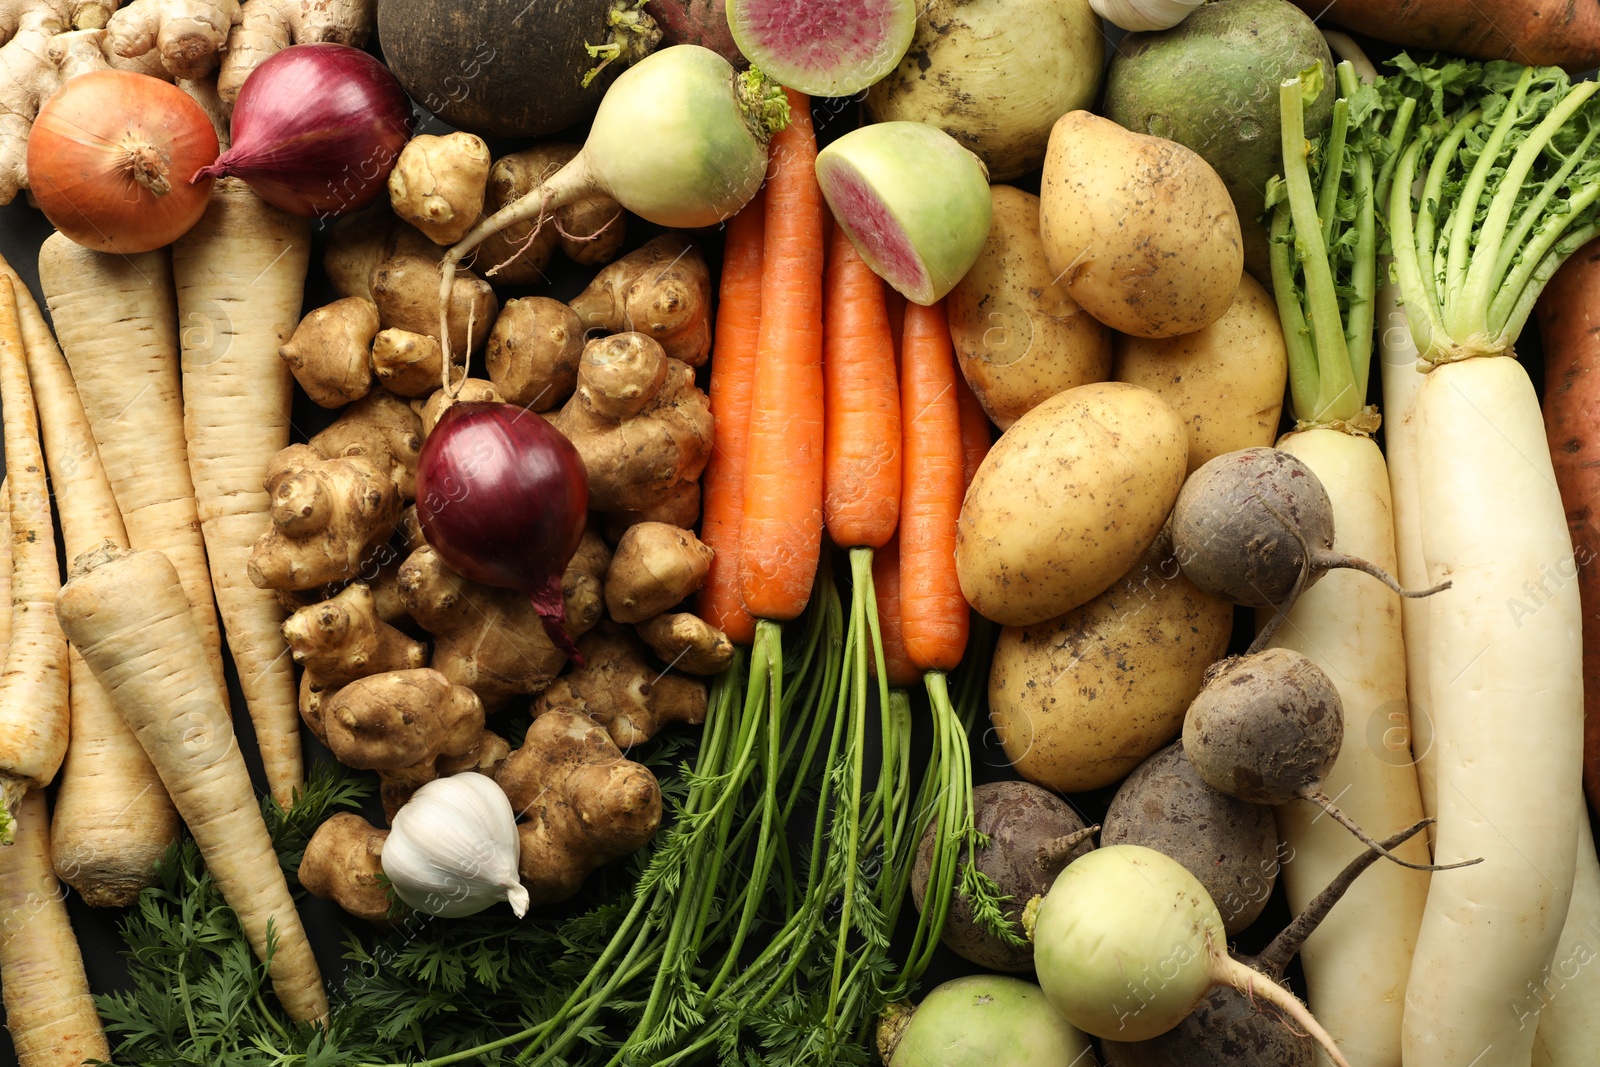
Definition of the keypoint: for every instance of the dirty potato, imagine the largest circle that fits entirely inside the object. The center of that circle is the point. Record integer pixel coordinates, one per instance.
(1080, 700)
(1067, 501)
(1140, 229)
(1225, 380)
(1019, 338)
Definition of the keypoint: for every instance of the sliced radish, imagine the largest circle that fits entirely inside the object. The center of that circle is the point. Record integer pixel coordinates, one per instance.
(823, 47)
(913, 201)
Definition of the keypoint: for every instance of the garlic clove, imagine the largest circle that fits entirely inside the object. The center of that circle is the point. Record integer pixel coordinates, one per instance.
(1143, 15)
(453, 848)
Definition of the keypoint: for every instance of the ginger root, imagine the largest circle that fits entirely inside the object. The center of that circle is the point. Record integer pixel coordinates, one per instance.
(188, 35)
(330, 352)
(581, 801)
(382, 429)
(686, 642)
(662, 290)
(618, 688)
(411, 364)
(269, 26)
(654, 568)
(488, 639)
(533, 352)
(343, 863)
(643, 428)
(329, 518)
(340, 640)
(437, 184)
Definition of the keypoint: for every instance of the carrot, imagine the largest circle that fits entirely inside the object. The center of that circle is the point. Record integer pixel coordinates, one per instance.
(1532, 32)
(898, 668)
(976, 435)
(117, 321)
(113, 820)
(933, 612)
(49, 1011)
(780, 539)
(861, 403)
(33, 690)
(733, 379)
(1569, 314)
(240, 275)
(128, 615)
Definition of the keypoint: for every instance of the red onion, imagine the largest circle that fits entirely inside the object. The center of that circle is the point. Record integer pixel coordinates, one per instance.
(502, 497)
(316, 130)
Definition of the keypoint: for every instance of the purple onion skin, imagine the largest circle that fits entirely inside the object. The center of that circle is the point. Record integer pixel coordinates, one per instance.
(316, 130)
(503, 497)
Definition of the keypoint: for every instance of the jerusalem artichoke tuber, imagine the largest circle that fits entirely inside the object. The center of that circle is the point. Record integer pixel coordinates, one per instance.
(687, 642)
(662, 290)
(342, 864)
(269, 26)
(533, 352)
(654, 568)
(340, 640)
(382, 429)
(330, 352)
(329, 517)
(642, 426)
(437, 184)
(411, 364)
(618, 688)
(582, 802)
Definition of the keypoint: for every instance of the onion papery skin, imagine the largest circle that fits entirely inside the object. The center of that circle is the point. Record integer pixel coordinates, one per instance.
(80, 161)
(316, 130)
(503, 496)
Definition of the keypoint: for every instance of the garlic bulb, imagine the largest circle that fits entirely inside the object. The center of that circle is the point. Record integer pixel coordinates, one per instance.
(1139, 15)
(453, 848)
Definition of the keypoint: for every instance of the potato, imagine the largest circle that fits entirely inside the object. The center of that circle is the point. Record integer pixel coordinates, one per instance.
(1019, 337)
(1080, 700)
(1067, 501)
(1140, 229)
(1225, 380)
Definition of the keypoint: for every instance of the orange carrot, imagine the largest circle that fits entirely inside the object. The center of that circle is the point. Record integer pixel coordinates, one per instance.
(886, 584)
(976, 437)
(933, 612)
(781, 537)
(733, 381)
(860, 404)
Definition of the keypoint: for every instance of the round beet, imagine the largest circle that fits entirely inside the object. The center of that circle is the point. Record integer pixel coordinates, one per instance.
(1267, 728)
(1255, 527)
(1032, 835)
(1230, 845)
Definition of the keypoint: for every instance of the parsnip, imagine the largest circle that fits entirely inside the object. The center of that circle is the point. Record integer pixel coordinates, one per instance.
(240, 273)
(49, 1011)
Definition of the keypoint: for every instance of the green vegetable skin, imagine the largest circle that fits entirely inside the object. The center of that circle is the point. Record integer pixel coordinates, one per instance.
(986, 1020)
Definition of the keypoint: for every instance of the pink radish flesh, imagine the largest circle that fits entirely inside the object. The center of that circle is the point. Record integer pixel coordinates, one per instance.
(880, 239)
(814, 35)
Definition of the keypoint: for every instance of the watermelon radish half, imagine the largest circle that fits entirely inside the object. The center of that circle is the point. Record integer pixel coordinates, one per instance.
(823, 47)
(912, 200)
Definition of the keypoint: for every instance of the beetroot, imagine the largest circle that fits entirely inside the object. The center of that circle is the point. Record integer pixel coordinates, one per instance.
(701, 22)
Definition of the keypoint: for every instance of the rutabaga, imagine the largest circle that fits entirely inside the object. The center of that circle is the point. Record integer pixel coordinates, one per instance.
(453, 848)
(1509, 179)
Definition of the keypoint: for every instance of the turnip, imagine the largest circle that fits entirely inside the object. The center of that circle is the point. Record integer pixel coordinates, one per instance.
(914, 203)
(1228, 1029)
(1255, 527)
(1267, 728)
(680, 140)
(1127, 943)
(1231, 845)
(981, 1020)
(1032, 835)
(823, 47)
